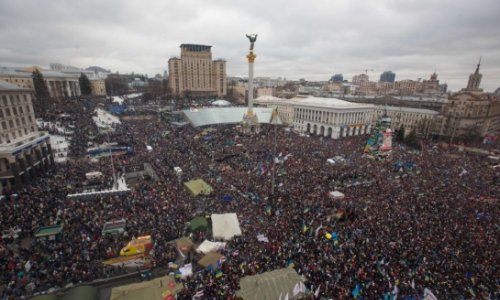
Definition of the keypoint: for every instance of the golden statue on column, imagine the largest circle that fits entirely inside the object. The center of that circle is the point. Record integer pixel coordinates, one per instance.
(250, 122)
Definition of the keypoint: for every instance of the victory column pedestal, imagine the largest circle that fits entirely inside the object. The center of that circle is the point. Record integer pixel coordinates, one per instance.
(250, 123)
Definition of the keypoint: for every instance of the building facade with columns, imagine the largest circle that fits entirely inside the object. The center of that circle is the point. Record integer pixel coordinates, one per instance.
(60, 85)
(24, 151)
(411, 119)
(330, 117)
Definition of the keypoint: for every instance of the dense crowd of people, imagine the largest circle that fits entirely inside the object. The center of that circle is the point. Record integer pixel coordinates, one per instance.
(434, 226)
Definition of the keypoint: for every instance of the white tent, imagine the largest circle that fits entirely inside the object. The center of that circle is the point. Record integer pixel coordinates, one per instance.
(336, 195)
(221, 103)
(225, 226)
(208, 246)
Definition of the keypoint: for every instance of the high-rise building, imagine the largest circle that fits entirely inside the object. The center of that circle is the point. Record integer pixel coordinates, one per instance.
(337, 78)
(195, 74)
(388, 76)
(24, 151)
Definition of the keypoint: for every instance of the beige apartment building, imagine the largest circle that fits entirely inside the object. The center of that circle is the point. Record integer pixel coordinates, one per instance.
(470, 112)
(24, 151)
(21, 79)
(407, 87)
(431, 86)
(195, 74)
(98, 87)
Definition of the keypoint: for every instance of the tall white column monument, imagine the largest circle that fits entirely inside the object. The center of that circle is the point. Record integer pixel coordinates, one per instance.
(250, 122)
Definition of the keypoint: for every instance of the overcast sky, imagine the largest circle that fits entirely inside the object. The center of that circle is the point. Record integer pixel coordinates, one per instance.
(297, 39)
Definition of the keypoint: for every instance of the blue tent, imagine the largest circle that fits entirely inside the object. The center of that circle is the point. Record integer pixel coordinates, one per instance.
(227, 198)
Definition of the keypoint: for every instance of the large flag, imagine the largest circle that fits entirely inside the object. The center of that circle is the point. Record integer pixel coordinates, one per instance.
(275, 119)
(428, 295)
(355, 292)
(296, 289)
(316, 293)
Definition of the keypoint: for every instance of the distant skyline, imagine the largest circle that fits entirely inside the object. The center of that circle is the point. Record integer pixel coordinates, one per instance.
(297, 39)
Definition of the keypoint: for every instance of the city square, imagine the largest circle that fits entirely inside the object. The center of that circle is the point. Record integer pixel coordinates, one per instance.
(219, 178)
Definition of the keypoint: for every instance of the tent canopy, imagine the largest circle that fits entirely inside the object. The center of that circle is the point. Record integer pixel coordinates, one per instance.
(221, 102)
(48, 231)
(198, 224)
(336, 195)
(197, 187)
(156, 289)
(208, 246)
(270, 285)
(225, 226)
(45, 297)
(84, 292)
(210, 260)
(184, 244)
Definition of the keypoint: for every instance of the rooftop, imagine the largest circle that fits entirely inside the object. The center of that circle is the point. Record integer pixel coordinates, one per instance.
(5, 71)
(196, 47)
(328, 102)
(408, 109)
(224, 115)
(5, 86)
(26, 73)
(265, 98)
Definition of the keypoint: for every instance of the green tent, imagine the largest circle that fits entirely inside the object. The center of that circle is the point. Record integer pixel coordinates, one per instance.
(156, 289)
(48, 231)
(197, 187)
(114, 227)
(199, 224)
(270, 285)
(45, 297)
(84, 292)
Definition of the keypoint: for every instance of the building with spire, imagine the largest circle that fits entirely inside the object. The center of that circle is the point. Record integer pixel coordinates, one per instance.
(470, 113)
(475, 80)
